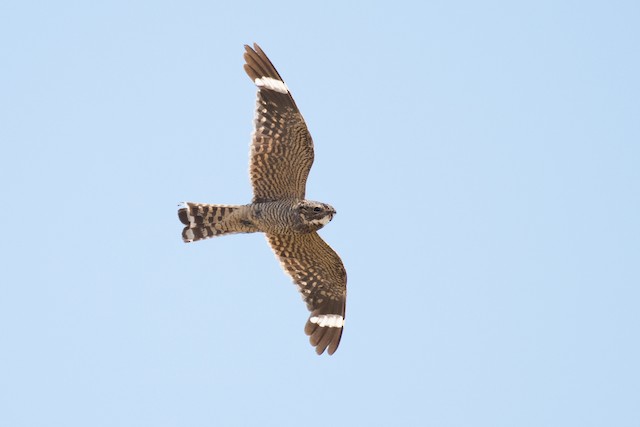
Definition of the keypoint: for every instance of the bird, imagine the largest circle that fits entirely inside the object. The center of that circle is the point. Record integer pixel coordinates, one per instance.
(280, 158)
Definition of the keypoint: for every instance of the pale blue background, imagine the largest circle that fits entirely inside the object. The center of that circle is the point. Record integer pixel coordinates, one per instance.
(484, 159)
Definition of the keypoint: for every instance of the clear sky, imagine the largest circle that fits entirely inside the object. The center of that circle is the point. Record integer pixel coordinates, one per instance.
(484, 160)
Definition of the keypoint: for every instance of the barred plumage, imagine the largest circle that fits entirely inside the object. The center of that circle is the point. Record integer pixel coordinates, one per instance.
(318, 272)
(204, 221)
(280, 158)
(282, 149)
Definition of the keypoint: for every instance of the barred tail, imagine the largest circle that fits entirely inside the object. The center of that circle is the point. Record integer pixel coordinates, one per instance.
(204, 221)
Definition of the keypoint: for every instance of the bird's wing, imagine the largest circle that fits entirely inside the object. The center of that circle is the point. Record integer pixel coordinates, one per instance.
(321, 279)
(281, 152)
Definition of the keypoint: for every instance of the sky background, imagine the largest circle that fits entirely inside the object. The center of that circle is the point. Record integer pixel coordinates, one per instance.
(484, 160)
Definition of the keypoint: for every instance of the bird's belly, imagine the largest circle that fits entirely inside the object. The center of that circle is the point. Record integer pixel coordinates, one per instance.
(275, 218)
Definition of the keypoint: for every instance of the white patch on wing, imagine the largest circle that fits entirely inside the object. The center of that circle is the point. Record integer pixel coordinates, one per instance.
(272, 84)
(328, 320)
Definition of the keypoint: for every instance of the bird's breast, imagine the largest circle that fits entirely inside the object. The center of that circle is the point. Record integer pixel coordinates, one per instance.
(277, 217)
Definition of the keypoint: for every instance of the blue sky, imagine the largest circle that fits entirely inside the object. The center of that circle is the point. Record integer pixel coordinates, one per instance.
(483, 158)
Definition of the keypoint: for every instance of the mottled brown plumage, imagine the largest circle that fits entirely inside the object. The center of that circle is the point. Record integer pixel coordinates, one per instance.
(279, 162)
(282, 149)
(321, 279)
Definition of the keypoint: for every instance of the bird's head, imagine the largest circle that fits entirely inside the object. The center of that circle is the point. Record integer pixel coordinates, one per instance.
(315, 214)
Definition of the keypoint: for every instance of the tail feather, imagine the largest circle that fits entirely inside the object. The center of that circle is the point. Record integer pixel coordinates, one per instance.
(203, 221)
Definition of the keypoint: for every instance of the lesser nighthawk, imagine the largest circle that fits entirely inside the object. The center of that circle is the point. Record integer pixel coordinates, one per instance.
(279, 162)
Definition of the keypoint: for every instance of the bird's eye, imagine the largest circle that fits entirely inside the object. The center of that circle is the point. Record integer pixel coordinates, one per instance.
(317, 209)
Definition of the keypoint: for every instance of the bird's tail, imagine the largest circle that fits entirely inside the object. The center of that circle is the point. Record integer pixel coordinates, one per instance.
(203, 221)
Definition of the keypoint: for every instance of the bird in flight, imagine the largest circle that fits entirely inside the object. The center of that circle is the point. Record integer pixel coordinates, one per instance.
(280, 158)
